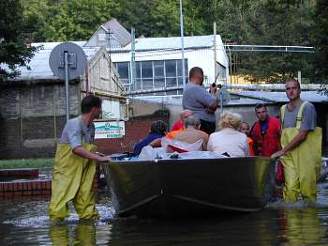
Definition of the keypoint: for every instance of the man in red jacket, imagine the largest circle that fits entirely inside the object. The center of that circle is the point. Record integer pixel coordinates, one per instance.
(265, 132)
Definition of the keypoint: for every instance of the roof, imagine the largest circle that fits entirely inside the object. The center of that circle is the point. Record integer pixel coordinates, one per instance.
(177, 100)
(118, 31)
(280, 97)
(39, 65)
(173, 43)
(246, 98)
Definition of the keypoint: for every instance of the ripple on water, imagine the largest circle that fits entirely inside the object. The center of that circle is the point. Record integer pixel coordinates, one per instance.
(322, 200)
(29, 219)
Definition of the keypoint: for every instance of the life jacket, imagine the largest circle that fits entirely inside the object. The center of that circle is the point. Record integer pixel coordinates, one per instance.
(177, 125)
(250, 146)
(173, 134)
(268, 143)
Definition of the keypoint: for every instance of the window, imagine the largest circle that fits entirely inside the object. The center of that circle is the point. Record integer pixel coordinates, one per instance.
(154, 74)
(221, 72)
(123, 69)
(147, 69)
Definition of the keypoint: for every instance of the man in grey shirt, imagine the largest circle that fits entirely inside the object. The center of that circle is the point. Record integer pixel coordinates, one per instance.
(197, 99)
(76, 133)
(301, 146)
(75, 167)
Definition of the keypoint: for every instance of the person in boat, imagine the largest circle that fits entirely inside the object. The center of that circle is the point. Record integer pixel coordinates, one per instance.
(245, 128)
(158, 129)
(172, 134)
(301, 146)
(75, 165)
(229, 140)
(265, 132)
(179, 124)
(197, 99)
(191, 133)
(213, 90)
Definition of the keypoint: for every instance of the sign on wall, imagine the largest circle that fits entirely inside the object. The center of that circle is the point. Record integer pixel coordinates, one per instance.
(109, 129)
(111, 109)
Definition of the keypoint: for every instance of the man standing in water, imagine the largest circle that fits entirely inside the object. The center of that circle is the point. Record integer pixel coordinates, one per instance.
(265, 132)
(75, 166)
(301, 146)
(198, 100)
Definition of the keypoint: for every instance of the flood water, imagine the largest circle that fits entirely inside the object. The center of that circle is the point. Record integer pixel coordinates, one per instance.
(25, 222)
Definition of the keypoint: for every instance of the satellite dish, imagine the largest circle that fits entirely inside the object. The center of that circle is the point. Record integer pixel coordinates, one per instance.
(67, 61)
(76, 60)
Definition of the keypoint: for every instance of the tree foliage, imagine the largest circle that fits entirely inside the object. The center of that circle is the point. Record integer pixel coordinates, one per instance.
(262, 22)
(13, 51)
(320, 37)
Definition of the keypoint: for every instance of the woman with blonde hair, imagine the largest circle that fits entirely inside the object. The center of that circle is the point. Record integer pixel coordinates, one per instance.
(228, 140)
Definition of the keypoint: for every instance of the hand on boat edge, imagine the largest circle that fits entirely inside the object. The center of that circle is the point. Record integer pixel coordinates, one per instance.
(277, 154)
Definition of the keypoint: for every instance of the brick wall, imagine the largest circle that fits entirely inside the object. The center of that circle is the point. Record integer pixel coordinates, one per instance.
(135, 129)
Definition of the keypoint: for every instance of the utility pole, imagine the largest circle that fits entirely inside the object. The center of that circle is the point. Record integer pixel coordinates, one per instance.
(182, 45)
(214, 47)
(133, 61)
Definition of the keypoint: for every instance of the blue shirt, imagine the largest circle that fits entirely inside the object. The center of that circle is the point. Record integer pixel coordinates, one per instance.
(144, 142)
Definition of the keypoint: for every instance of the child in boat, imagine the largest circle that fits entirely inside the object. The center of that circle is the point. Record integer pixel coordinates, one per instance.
(245, 128)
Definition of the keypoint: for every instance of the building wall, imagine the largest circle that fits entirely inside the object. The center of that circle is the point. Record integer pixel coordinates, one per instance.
(103, 80)
(203, 58)
(32, 116)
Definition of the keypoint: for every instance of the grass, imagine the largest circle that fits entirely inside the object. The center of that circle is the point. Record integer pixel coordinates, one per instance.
(26, 163)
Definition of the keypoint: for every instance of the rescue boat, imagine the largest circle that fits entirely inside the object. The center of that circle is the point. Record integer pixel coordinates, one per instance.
(189, 187)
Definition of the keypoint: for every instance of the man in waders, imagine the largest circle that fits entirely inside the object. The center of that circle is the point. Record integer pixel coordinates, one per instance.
(75, 165)
(301, 146)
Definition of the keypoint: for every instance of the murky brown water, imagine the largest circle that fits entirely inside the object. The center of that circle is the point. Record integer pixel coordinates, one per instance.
(25, 222)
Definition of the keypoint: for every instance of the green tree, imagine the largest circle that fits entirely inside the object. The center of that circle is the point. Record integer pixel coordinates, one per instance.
(268, 22)
(13, 51)
(320, 36)
(137, 14)
(35, 18)
(76, 19)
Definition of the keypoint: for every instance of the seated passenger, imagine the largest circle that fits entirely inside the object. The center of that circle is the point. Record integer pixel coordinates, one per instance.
(179, 124)
(229, 141)
(245, 128)
(158, 129)
(191, 134)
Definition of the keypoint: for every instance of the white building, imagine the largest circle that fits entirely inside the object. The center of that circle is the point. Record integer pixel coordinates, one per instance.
(158, 61)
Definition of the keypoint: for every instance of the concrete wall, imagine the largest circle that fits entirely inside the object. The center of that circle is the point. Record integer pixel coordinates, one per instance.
(32, 116)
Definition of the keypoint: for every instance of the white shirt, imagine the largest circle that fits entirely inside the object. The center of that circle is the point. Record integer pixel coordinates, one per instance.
(228, 140)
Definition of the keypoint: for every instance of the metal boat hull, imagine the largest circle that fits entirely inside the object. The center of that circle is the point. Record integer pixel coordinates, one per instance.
(189, 187)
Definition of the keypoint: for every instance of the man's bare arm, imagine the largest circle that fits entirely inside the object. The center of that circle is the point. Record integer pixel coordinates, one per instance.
(296, 141)
(82, 152)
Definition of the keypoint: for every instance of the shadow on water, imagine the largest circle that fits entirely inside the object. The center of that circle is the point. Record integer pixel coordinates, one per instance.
(26, 221)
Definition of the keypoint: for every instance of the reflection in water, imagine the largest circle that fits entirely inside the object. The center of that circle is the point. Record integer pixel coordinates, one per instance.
(300, 226)
(84, 233)
(280, 224)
